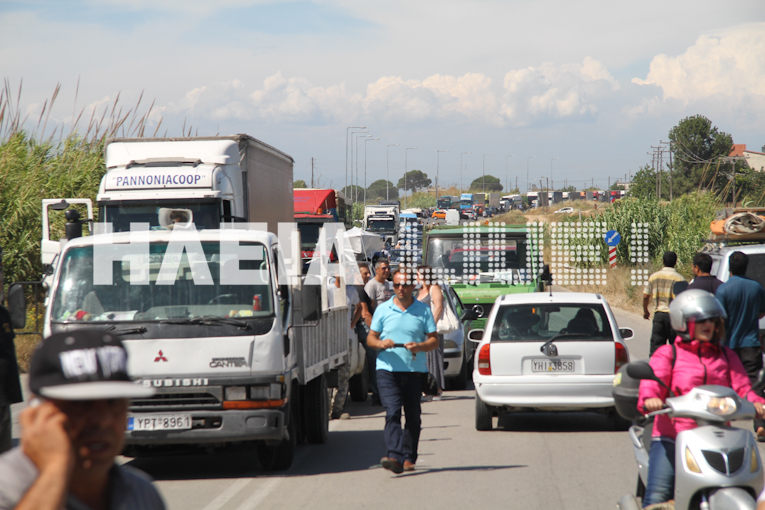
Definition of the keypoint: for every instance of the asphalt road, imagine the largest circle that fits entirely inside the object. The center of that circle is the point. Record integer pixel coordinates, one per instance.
(544, 460)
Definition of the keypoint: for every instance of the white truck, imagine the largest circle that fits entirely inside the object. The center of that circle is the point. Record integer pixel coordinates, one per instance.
(238, 346)
(382, 220)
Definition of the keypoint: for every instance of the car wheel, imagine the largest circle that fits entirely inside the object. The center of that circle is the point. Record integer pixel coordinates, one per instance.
(483, 414)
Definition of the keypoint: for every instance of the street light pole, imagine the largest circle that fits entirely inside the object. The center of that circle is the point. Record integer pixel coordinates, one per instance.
(461, 168)
(406, 169)
(356, 185)
(387, 167)
(507, 172)
(551, 166)
(438, 163)
(483, 174)
(347, 137)
(527, 173)
(368, 139)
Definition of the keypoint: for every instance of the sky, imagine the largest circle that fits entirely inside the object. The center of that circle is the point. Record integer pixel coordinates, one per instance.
(577, 92)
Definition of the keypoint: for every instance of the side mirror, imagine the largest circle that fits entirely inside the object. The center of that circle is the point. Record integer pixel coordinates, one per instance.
(469, 314)
(626, 333)
(17, 306)
(641, 370)
(475, 335)
(311, 303)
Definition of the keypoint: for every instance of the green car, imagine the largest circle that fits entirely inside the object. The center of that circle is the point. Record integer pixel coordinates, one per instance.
(483, 262)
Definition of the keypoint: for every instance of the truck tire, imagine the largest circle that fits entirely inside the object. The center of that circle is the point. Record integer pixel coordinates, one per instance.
(279, 456)
(483, 414)
(359, 385)
(316, 410)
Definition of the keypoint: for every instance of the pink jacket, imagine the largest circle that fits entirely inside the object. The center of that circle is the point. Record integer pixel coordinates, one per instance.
(697, 363)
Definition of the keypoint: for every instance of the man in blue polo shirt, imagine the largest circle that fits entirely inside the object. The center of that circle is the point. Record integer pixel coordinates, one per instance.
(403, 330)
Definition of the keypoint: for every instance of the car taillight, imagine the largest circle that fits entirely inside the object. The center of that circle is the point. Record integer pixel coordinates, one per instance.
(484, 360)
(621, 357)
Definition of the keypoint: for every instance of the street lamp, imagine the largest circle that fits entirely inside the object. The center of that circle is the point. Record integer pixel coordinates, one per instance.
(368, 139)
(483, 174)
(507, 172)
(551, 166)
(438, 162)
(461, 167)
(347, 137)
(527, 173)
(387, 167)
(356, 185)
(406, 169)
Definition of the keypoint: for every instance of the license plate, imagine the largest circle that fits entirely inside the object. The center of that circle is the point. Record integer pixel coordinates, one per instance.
(553, 366)
(160, 422)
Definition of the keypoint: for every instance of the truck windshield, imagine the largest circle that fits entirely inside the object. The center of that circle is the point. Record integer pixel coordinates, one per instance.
(121, 215)
(131, 298)
(486, 256)
(309, 235)
(386, 225)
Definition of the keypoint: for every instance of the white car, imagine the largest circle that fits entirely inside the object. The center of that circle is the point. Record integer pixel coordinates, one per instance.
(565, 210)
(457, 368)
(554, 351)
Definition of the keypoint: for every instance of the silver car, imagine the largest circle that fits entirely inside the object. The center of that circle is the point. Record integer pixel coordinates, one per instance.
(456, 364)
(547, 351)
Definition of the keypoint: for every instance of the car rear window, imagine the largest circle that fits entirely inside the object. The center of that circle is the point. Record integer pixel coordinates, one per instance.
(565, 322)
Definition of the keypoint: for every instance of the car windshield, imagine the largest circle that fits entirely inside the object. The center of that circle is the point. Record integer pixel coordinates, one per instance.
(309, 235)
(542, 322)
(505, 258)
(174, 288)
(387, 225)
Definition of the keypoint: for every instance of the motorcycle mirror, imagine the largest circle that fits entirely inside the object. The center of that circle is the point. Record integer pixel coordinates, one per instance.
(641, 370)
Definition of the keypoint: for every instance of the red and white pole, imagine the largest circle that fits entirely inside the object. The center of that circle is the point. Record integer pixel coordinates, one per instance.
(612, 256)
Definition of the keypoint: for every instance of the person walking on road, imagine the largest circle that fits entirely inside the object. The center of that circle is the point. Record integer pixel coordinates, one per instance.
(403, 330)
(744, 301)
(74, 429)
(430, 294)
(379, 290)
(659, 291)
(702, 279)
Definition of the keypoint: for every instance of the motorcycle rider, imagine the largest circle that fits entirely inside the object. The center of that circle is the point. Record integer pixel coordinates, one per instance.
(697, 357)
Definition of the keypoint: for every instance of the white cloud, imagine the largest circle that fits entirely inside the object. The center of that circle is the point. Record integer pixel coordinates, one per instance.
(731, 63)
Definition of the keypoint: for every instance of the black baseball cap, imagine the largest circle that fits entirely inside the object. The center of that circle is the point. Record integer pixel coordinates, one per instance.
(82, 364)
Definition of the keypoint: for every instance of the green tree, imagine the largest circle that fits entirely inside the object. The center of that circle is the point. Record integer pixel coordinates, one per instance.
(351, 192)
(379, 189)
(300, 183)
(487, 182)
(414, 180)
(643, 184)
(569, 189)
(697, 147)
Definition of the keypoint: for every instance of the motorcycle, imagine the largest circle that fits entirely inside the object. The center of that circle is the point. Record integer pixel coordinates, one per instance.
(717, 466)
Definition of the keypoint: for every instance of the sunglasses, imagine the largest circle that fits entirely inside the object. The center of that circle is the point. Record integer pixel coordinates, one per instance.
(397, 285)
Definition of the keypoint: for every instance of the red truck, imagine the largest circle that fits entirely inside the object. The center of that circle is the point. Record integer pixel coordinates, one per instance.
(313, 208)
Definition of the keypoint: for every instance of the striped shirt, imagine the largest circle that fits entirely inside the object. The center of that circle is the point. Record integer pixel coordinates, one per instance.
(659, 287)
(130, 489)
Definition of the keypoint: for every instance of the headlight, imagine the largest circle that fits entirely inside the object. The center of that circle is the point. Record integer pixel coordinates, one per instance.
(722, 406)
(235, 393)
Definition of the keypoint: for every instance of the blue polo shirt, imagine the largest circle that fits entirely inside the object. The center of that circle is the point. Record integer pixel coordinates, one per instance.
(744, 301)
(402, 326)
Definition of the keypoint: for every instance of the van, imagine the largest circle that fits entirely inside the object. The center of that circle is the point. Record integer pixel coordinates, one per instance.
(452, 217)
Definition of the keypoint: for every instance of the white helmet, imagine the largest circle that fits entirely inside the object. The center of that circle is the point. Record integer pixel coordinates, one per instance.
(693, 305)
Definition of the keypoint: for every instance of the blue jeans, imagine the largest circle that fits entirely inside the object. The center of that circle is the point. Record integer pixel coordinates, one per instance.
(397, 390)
(660, 486)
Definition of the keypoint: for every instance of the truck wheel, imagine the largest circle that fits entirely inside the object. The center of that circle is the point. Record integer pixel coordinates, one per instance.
(277, 457)
(483, 414)
(359, 385)
(316, 410)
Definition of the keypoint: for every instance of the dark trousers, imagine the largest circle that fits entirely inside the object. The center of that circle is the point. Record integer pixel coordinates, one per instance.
(362, 330)
(662, 332)
(397, 390)
(751, 358)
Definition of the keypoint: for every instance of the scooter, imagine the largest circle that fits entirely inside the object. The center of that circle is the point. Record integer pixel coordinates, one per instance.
(717, 466)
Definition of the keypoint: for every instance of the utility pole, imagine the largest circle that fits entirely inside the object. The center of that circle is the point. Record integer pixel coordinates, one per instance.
(312, 160)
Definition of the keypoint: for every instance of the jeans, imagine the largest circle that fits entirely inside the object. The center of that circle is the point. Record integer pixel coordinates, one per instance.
(660, 486)
(362, 330)
(399, 389)
(751, 358)
(661, 331)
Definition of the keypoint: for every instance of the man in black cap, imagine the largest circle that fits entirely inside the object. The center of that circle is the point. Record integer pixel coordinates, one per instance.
(74, 429)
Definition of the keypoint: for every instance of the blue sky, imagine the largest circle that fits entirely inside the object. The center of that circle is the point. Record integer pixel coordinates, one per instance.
(579, 91)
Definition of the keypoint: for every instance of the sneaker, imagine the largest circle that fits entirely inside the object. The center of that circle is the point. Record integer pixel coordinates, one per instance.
(392, 465)
(426, 398)
(408, 466)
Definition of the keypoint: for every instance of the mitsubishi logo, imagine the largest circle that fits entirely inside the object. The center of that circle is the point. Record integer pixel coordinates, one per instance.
(160, 357)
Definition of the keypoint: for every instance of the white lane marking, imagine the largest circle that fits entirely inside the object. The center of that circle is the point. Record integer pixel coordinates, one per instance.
(228, 494)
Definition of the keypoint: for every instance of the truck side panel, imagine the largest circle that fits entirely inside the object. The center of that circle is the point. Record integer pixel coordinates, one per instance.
(269, 183)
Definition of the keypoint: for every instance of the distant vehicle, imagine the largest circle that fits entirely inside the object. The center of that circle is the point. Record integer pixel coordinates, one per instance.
(452, 217)
(551, 352)
(439, 214)
(565, 210)
(444, 202)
